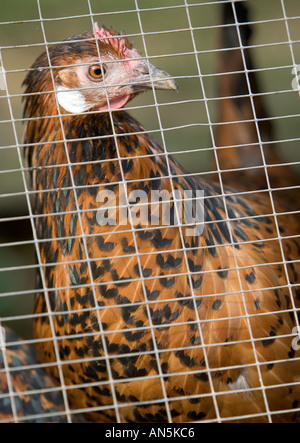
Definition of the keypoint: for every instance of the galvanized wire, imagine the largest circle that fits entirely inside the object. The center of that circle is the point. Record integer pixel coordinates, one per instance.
(187, 10)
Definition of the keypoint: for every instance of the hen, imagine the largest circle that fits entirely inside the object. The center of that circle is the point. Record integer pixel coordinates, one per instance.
(151, 323)
(245, 128)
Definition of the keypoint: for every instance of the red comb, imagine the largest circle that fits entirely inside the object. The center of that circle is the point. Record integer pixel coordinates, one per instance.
(116, 42)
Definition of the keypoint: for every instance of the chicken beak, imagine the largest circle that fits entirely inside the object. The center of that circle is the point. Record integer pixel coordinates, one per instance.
(148, 75)
(161, 79)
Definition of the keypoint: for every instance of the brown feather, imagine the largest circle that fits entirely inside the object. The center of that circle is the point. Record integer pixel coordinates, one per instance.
(207, 322)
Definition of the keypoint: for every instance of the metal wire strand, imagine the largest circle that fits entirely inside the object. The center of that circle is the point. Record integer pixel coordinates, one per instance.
(10, 98)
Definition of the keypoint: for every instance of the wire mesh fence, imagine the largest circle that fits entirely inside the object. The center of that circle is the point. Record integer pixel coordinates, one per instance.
(212, 122)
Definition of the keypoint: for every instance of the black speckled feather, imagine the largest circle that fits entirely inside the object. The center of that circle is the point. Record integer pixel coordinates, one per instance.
(36, 398)
(169, 313)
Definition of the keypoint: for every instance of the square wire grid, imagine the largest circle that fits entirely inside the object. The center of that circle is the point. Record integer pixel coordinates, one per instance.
(188, 132)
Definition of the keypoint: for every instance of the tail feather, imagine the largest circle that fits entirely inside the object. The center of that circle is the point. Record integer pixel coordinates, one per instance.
(244, 120)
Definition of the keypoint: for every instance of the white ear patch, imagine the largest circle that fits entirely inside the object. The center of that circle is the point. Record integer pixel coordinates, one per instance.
(71, 100)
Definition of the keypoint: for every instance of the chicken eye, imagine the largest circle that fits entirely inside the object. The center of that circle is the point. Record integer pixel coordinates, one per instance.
(95, 72)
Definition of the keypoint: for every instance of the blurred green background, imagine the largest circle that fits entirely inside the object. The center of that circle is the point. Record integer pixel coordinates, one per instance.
(21, 42)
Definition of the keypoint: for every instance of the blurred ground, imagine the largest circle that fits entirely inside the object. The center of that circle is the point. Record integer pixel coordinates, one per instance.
(172, 51)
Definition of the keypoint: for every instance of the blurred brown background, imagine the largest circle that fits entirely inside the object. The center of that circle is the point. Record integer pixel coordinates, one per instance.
(173, 51)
